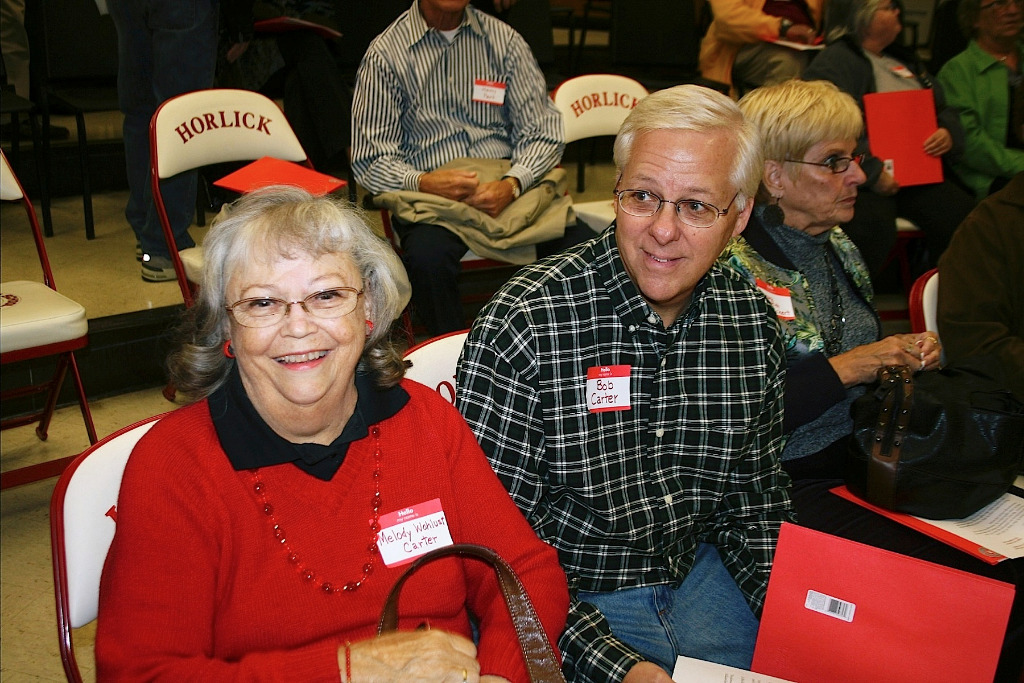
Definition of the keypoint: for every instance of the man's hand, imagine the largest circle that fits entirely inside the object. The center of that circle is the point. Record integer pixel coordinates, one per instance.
(647, 672)
(886, 185)
(492, 197)
(457, 185)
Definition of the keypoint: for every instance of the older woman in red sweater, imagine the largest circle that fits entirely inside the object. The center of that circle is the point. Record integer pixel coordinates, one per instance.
(261, 527)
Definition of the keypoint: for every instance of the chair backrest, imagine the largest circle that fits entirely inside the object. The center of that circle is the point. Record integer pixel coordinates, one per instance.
(83, 512)
(218, 125)
(12, 190)
(71, 43)
(596, 104)
(924, 302)
(434, 362)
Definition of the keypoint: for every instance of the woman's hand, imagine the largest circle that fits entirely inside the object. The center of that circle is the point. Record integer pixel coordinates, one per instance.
(860, 365)
(428, 656)
(938, 143)
(886, 185)
(801, 33)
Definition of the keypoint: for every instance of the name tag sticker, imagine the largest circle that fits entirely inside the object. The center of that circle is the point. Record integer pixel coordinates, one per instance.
(489, 92)
(608, 388)
(779, 298)
(413, 531)
(902, 71)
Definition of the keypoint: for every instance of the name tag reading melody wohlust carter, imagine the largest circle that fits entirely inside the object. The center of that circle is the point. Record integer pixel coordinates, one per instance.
(413, 531)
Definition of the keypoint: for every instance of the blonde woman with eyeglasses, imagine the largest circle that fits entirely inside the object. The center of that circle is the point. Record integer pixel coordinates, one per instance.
(986, 83)
(865, 56)
(261, 527)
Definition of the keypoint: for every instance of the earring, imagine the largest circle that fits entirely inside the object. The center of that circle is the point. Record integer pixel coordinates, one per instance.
(228, 353)
(369, 327)
(773, 215)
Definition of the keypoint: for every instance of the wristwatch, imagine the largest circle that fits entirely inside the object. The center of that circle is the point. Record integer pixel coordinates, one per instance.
(784, 26)
(516, 190)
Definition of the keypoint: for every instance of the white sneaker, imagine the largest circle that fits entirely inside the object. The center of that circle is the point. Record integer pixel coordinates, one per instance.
(157, 269)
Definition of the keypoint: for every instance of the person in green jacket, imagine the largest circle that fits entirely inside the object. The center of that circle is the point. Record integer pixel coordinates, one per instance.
(985, 83)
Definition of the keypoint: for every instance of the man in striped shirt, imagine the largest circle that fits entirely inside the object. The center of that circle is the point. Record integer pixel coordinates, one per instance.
(628, 393)
(446, 81)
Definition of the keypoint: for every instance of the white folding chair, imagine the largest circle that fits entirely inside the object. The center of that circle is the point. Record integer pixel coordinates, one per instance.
(205, 127)
(37, 321)
(924, 302)
(434, 362)
(595, 105)
(83, 513)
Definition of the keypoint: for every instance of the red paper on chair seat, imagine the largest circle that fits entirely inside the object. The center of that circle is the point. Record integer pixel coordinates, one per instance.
(837, 610)
(271, 171)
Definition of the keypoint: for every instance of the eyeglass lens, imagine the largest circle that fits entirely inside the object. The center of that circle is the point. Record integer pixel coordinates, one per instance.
(266, 311)
(642, 204)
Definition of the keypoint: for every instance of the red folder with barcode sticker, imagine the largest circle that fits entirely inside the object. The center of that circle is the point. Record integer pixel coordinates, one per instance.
(838, 610)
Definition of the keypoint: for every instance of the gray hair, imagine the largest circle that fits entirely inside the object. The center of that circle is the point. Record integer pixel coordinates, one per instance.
(700, 110)
(795, 115)
(849, 17)
(287, 220)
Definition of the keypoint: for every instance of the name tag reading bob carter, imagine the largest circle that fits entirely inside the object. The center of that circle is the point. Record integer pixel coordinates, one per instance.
(608, 388)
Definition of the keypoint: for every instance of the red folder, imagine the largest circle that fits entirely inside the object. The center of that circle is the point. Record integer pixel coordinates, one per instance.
(271, 171)
(285, 24)
(898, 124)
(837, 610)
(958, 542)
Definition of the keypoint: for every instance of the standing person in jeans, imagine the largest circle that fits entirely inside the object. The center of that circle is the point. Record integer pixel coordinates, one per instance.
(165, 48)
(628, 393)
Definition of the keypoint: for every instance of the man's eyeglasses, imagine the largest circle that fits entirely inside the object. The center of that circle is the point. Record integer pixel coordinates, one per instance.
(836, 164)
(265, 311)
(1001, 5)
(692, 212)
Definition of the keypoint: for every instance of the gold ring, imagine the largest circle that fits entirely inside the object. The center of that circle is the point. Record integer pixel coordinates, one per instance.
(465, 675)
(933, 340)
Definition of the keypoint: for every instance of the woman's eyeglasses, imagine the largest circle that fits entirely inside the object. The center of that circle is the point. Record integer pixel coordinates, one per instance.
(692, 212)
(265, 311)
(833, 163)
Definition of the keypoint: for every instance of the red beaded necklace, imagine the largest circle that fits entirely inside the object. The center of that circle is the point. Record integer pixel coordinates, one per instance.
(307, 573)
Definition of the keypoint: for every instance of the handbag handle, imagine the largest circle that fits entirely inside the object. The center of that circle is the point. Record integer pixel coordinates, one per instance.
(541, 663)
(897, 381)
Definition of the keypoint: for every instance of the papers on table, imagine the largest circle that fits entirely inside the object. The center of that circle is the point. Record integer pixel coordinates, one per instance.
(898, 123)
(993, 533)
(690, 670)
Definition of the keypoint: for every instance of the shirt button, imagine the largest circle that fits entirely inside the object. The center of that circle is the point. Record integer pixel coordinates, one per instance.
(668, 499)
(652, 319)
(659, 432)
(663, 361)
(632, 328)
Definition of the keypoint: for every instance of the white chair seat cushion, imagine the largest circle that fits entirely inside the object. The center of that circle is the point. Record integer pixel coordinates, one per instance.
(906, 225)
(33, 315)
(596, 215)
(192, 260)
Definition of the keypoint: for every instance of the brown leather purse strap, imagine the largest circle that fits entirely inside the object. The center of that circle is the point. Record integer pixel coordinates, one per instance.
(541, 663)
(890, 430)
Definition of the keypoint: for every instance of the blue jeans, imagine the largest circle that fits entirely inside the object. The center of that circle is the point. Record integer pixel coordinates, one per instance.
(707, 617)
(165, 48)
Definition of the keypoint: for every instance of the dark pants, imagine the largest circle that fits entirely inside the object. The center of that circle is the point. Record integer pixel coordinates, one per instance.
(165, 48)
(431, 255)
(937, 209)
(819, 509)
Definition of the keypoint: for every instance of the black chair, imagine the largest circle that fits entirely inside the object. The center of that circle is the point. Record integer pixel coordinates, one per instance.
(533, 20)
(658, 59)
(74, 61)
(12, 108)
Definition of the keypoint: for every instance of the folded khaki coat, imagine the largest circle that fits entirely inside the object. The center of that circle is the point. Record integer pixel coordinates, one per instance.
(540, 214)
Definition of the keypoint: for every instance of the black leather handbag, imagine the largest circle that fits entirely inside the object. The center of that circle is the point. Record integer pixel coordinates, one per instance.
(939, 445)
(541, 662)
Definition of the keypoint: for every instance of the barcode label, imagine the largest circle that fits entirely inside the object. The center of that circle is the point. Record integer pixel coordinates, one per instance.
(833, 607)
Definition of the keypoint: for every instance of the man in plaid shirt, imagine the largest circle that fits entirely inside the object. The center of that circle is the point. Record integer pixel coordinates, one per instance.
(628, 393)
